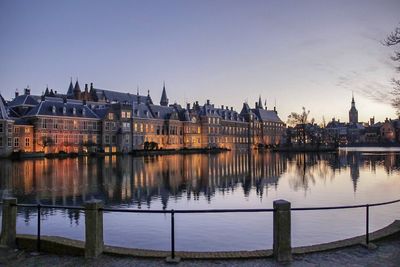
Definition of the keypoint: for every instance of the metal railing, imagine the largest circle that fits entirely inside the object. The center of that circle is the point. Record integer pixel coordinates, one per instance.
(39, 207)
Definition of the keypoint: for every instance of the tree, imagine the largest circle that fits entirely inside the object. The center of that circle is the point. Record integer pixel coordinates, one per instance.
(393, 39)
(45, 141)
(300, 120)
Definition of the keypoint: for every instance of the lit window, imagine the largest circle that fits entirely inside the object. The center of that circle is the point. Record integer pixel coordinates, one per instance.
(16, 142)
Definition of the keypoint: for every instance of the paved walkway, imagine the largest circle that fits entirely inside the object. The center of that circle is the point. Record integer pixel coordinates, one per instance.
(387, 253)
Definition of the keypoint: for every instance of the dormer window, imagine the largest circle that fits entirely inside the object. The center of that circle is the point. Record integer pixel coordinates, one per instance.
(74, 111)
(64, 110)
(83, 112)
(54, 109)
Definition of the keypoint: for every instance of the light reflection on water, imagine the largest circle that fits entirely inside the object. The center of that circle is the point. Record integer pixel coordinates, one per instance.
(228, 180)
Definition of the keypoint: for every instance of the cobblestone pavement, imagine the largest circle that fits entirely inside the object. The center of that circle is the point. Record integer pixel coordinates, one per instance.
(387, 253)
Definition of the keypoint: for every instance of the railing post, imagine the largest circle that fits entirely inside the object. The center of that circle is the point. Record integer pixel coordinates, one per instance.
(282, 231)
(9, 223)
(38, 228)
(172, 258)
(367, 225)
(94, 244)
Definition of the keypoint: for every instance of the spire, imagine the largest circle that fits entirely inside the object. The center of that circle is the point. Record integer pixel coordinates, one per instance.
(149, 100)
(352, 99)
(77, 88)
(70, 88)
(265, 103)
(164, 99)
(260, 102)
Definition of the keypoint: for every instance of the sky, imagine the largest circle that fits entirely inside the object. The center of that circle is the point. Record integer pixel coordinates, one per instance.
(292, 53)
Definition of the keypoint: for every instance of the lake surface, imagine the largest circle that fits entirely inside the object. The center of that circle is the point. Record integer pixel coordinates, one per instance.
(227, 180)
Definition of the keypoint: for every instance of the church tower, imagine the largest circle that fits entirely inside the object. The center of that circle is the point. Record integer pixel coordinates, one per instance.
(353, 113)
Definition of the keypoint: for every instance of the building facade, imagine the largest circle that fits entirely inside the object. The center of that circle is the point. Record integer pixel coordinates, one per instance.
(103, 120)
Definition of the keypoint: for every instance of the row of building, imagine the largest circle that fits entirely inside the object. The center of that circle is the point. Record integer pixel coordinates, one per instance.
(95, 119)
(351, 133)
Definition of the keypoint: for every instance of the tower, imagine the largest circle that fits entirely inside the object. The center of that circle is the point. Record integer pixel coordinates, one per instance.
(353, 113)
(164, 99)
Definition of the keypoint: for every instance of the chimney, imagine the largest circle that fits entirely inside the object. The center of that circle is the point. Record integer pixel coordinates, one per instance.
(222, 106)
(84, 102)
(65, 100)
(208, 101)
(91, 86)
(27, 91)
(256, 105)
(55, 92)
(227, 108)
(16, 93)
(188, 106)
(231, 108)
(86, 87)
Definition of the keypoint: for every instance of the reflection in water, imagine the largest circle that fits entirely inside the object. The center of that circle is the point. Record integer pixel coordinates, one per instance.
(130, 181)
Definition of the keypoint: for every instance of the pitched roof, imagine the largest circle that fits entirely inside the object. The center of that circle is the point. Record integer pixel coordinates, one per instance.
(24, 100)
(121, 97)
(267, 115)
(3, 110)
(46, 108)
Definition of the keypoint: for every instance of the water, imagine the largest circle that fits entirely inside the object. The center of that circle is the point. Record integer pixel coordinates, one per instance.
(228, 180)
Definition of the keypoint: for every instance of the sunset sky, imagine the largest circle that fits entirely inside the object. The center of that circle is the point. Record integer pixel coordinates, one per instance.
(299, 53)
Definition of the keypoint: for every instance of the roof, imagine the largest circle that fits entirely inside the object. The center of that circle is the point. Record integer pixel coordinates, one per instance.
(24, 100)
(45, 108)
(121, 97)
(267, 115)
(3, 110)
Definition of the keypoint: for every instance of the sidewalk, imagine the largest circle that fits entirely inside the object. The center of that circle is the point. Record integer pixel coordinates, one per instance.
(386, 254)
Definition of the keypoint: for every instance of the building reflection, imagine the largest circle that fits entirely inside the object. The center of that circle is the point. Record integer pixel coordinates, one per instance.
(140, 181)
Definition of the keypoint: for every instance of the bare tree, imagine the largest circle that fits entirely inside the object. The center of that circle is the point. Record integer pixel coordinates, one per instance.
(392, 40)
(300, 119)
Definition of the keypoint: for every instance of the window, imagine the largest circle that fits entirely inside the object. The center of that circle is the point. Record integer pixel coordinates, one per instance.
(9, 141)
(16, 142)
(27, 141)
(75, 125)
(123, 114)
(27, 130)
(107, 139)
(1, 127)
(9, 128)
(128, 114)
(85, 125)
(111, 116)
(16, 130)
(114, 139)
(107, 127)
